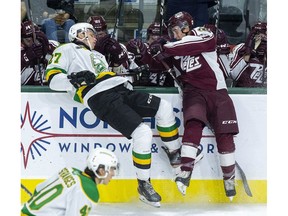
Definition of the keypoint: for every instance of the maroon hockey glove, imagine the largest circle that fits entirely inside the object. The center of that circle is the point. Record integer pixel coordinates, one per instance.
(82, 78)
(157, 50)
(109, 46)
(250, 43)
(34, 52)
(137, 47)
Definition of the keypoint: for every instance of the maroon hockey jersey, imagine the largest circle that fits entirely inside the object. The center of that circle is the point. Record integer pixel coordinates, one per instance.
(195, 60)
(247, 74)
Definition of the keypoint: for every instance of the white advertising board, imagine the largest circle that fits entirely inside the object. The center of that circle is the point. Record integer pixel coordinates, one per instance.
(57, 132)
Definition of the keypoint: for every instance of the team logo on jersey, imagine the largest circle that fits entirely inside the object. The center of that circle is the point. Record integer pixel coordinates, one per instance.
(98, 65)
(189, 63)
(257, 73)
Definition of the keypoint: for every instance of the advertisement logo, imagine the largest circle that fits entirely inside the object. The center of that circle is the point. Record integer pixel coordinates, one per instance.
(35, 134)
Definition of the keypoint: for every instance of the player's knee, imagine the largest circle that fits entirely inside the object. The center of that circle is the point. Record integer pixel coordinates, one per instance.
(193, 131)
(142, 135)
(225, 143)
(165, 115)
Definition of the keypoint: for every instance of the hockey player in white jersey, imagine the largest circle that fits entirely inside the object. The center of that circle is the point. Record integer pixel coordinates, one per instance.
(72, 192)
(82, 72)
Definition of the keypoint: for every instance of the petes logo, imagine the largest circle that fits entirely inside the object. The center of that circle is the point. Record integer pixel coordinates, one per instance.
(189, 63)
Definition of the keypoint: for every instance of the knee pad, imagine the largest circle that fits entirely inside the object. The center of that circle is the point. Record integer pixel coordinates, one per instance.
(142, 139)
(225, 143)
(165, 116)
(193, 132)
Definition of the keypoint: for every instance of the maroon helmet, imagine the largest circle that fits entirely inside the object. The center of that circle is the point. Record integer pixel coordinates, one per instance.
(154, 29)
(258, 30)
(98, 22)
(260, 27)
(27, 29)
(182, 20)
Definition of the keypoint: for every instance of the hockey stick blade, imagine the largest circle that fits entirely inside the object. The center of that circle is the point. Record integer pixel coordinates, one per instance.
(244, 180)
(26, 190)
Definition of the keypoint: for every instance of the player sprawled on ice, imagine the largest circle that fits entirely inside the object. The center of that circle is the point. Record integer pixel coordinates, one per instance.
(205, 97)
(71, 191)
(76, 68)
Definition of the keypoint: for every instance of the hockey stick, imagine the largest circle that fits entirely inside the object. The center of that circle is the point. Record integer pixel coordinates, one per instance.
(117, 18)
(170, 71)
(246, 17)
(217, 18)
(161, 16)
(30, 18)
(26, 190)
(244, 180)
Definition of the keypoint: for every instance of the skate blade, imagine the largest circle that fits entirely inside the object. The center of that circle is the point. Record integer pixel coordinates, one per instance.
(154, 204)
(175, 166)
(181, 187)
(198, 158)
(231, 198)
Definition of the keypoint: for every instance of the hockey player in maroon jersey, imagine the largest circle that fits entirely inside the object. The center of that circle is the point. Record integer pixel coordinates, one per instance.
(248, 65)
(223, 52)
(114, 52)
(34, 54)
(205, 97)
(143, 56)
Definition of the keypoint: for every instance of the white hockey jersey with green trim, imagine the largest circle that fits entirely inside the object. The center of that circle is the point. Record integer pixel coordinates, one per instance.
(68, 193)
(69, 58)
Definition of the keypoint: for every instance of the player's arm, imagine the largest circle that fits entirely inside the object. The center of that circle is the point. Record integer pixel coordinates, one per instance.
(56, 71)
(238, 63)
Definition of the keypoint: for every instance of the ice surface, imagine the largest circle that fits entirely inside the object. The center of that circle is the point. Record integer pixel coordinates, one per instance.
(168, 209)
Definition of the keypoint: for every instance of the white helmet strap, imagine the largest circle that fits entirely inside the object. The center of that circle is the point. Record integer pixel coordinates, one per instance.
(102, 177)
(85, 38)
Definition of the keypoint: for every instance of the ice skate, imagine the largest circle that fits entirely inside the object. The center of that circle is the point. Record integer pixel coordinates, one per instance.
(147, 194)
(175, 156)
(183, 181)
(229, 186)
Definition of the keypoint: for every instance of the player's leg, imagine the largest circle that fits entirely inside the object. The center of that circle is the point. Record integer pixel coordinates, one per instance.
(224, 121)
(194, 113)
(190, 143)
(142, 139)
(168, 131)
(226, 150)
(110, 108)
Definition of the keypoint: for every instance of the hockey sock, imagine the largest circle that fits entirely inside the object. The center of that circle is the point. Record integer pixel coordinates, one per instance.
(166, 126)
(141, 153)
